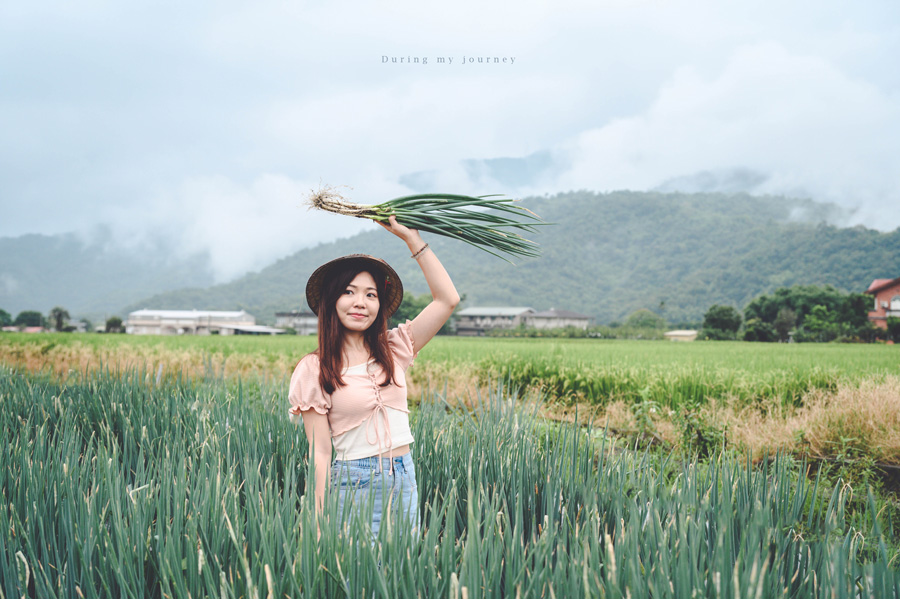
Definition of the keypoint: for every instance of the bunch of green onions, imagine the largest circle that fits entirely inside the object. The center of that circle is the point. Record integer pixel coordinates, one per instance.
(459, 217)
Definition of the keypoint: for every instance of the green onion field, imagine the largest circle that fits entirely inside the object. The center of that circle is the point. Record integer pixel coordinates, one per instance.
(167, 467)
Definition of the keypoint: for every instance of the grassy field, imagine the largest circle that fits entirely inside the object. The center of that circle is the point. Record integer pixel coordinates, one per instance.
(674, 373)
(117, 486)
(596, 371)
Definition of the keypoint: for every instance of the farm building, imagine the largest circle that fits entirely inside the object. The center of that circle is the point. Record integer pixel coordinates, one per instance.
(886, 293)
(478, 321)
(556, 319)
(194, 322)
(305, 323)
(681, 335)
(16, 329)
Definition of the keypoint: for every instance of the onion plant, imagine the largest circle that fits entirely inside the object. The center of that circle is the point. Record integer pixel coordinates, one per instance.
(115, 485)
(481, 221)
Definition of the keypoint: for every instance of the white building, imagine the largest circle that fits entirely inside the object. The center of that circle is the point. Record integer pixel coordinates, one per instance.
(305, 323)
(194, 322)
(556, 319)
(682, 335)
(477, 321)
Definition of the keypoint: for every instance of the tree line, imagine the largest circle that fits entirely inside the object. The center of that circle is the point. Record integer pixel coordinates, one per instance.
(802, 313)
(58, 319)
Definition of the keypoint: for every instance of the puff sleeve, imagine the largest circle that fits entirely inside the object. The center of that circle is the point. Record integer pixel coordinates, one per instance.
(402, 345)
(305, 391)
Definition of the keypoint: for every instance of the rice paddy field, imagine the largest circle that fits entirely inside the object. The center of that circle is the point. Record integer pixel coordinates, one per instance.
(150, 467)
(572, 370)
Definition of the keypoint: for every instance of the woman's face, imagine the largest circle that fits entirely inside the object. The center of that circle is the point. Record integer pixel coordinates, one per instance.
(357, 306)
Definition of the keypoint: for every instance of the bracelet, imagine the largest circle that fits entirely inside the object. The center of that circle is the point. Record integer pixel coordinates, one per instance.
(419, 253)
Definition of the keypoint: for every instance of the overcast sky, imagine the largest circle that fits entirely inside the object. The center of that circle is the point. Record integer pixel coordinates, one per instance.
(208, 122)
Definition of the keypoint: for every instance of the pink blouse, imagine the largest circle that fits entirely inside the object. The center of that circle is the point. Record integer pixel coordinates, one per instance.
(362, 395)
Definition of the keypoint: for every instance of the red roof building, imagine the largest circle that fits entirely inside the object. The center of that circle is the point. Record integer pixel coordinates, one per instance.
(887, 300)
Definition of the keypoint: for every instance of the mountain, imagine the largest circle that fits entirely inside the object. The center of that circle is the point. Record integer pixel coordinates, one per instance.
(608, 255)
(89, 278)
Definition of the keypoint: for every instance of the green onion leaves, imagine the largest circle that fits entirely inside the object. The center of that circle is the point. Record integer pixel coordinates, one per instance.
(482, 221)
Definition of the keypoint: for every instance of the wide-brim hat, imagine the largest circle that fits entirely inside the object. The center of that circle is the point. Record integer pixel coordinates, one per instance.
(393, 287)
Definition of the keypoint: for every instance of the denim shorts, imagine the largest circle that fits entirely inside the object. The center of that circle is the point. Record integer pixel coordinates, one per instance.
(386, 486)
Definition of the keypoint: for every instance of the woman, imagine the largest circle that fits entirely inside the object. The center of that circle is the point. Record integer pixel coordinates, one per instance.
(351, 392)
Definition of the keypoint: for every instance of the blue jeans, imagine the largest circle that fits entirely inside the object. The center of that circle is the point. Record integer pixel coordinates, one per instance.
(388, 487)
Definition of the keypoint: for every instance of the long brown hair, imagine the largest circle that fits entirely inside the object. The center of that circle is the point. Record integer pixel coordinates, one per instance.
(331, 331)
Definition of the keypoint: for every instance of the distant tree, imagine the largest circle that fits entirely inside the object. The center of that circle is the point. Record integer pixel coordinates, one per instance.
(5, 318)
(784, 323)
(851, 308)
(855, 309)
(690, 325)
(412, 305)
(822, 325)
(29, 318)
(716, 335)
(114, 325)
(869, 333)
(814, 313)
(758, 330)
(645, 319)
(409, 308)
(58, 316)
(88, 325)
(893, 328)
(721, 322)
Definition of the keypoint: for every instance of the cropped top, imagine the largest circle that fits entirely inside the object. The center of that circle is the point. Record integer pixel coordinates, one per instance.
(374, 436)
(362, 398)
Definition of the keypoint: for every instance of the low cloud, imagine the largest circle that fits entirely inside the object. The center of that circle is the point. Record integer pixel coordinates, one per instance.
(209, 131)
(807, 127)
(239, 227)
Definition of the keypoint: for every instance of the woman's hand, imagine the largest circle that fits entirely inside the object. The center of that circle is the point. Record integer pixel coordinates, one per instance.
(410, 236)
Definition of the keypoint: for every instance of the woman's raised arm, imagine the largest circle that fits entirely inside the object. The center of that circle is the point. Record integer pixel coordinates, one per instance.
(444, 295)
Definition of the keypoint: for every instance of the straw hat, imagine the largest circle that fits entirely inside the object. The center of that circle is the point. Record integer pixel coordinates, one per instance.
(392, 285)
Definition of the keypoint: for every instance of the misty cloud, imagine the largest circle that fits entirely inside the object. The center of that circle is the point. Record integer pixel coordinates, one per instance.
(808, 127)
(239, 227)
(208, 129)
(738, 180)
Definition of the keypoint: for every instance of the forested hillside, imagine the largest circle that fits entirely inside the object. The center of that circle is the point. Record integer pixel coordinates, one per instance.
(607, 255)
